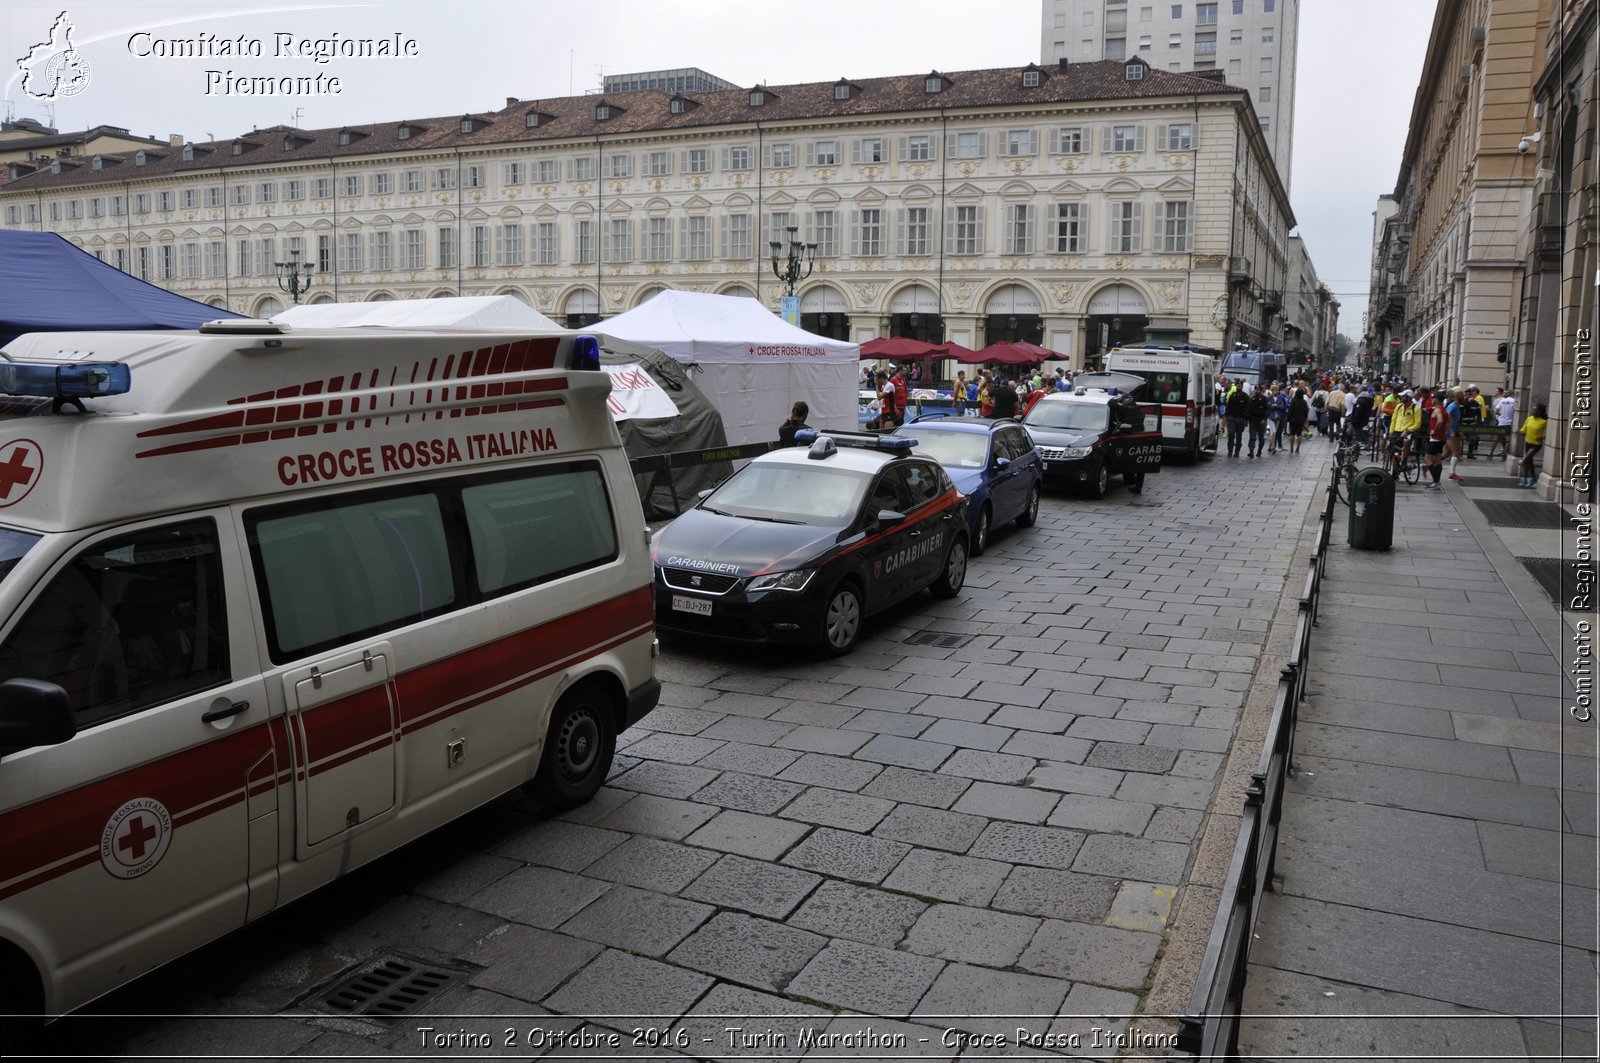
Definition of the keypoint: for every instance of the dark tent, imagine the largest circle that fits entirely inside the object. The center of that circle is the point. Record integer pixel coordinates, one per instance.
(698, 426)
(49, 285)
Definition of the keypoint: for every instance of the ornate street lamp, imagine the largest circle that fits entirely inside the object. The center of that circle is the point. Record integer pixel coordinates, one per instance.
(802, 257)
(294, 276)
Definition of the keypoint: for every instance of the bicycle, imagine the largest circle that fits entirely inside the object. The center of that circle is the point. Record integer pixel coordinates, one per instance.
(1403, 462)
(1345, 458)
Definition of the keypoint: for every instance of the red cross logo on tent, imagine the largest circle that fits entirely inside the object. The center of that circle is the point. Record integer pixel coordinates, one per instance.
(20, 463)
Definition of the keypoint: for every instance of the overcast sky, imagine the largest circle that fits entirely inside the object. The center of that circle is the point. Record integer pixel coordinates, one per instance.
(1355, 86)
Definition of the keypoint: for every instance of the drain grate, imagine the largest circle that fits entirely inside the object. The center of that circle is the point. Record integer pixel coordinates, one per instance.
(1522, 514)
(391, 988)
(943, 640)
(1473, 480)
(1555, 577)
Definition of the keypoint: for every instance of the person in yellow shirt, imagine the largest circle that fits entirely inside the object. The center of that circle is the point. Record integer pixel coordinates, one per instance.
(1403, 424)
(1533, 429)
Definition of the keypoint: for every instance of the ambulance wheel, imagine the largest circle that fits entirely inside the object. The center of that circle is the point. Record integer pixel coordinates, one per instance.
(980, 534)
(1031, 514)
(21, 1031)
(954, 574)
(842, 620)
(577, 748)
(1099, 480)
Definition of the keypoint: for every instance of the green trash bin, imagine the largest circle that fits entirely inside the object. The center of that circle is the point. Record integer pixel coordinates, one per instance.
(1372, 510)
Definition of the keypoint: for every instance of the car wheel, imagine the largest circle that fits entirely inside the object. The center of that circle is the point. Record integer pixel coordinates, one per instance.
(578, 748)
(841, 622)
(980, 534)
(1099, 480)
(1030, 515)
(954, 574)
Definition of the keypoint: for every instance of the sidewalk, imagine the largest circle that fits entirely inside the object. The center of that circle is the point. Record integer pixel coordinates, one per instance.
(1437, 860)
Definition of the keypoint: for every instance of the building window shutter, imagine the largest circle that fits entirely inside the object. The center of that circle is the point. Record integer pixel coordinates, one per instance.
(855, 152)
(1138, 226)
(1138, 137)
(950, 144)
(1105, 140)
(766, 156)
(811, 153)
(900, 231)
(933, 148)
(905, 149)
(978, 229)
(983, 146)
(949, 230)
(1162, 137)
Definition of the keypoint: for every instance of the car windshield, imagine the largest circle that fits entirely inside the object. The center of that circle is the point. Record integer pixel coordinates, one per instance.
(952, 449)
(1073, 416)
(798, 494)
(13, 545)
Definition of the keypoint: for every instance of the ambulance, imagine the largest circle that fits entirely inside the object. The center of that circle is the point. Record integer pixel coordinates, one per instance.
(274, 603)
(1184, 381)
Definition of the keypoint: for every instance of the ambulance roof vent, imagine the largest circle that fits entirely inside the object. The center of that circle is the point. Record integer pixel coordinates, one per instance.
(242, 326)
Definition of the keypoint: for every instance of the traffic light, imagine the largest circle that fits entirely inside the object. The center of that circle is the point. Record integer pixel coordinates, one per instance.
(1502, 352)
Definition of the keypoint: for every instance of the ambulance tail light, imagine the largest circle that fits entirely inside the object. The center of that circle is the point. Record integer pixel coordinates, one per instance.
(84, 380)
(1189, 419)
(585, 354)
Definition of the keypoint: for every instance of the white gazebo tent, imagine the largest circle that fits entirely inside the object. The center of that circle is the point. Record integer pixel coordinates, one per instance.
(753, 364)
(468, 311)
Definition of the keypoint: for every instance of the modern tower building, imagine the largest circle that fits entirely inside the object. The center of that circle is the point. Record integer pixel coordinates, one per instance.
(1252, 42)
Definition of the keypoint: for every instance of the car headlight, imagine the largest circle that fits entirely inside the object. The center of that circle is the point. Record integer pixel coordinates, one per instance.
(1074, 453)
(783, 581)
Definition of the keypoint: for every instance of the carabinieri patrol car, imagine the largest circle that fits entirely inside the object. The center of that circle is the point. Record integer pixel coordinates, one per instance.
(1097, 432)
(802, 545)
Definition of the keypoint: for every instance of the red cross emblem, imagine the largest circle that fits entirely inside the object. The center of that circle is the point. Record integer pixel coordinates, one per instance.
(135, 838)
(136, 835)
(20, 462)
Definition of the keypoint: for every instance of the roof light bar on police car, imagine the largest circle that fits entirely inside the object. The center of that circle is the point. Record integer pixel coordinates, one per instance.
(859, 440)
(80, 380)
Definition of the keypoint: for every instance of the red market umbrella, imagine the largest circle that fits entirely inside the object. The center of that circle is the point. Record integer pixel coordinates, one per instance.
(901, 347)
(1018, 353)
(905, 349)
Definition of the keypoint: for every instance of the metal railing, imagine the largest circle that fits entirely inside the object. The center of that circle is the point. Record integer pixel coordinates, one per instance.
(1210, 1028)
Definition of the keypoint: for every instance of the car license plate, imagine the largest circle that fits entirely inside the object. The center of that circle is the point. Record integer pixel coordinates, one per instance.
(697, 606)
(1047, 466)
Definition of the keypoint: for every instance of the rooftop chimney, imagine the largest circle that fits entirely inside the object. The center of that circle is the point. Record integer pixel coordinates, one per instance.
(175, 140)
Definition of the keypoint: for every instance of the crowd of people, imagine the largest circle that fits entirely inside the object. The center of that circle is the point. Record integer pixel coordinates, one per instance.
(987, 393)
(1435, 424)
(1438, 425)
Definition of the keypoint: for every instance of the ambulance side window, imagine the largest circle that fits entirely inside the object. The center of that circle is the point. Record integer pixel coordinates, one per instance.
(337, 570)
(133, 621)
(538, 526)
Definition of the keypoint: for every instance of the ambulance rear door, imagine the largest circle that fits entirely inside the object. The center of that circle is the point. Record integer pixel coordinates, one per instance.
(154, 829)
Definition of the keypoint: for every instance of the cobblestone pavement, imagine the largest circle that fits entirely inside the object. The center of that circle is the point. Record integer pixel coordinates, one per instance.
(934, 837)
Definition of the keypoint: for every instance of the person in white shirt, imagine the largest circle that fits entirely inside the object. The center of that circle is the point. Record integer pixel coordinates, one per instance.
(1505, 408)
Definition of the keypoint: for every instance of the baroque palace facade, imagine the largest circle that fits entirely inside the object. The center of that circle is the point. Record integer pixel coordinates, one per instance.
(1073, 205)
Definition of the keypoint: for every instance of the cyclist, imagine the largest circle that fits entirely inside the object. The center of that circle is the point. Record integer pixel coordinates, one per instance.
(1403, 424)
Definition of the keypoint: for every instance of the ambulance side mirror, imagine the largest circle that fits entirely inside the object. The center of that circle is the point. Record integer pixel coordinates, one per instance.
(33, 713)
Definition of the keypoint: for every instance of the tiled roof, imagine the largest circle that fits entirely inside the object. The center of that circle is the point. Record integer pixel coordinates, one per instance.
(648, 111)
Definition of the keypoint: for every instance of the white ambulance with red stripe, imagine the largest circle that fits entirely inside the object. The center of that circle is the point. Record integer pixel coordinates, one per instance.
(1184, 381)
(273, 603)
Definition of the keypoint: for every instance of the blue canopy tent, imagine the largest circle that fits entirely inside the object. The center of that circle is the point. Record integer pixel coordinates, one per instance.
(49, 285)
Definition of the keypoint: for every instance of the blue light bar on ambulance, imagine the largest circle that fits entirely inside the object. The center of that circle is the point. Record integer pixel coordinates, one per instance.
(83, 380)
(585, 354)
